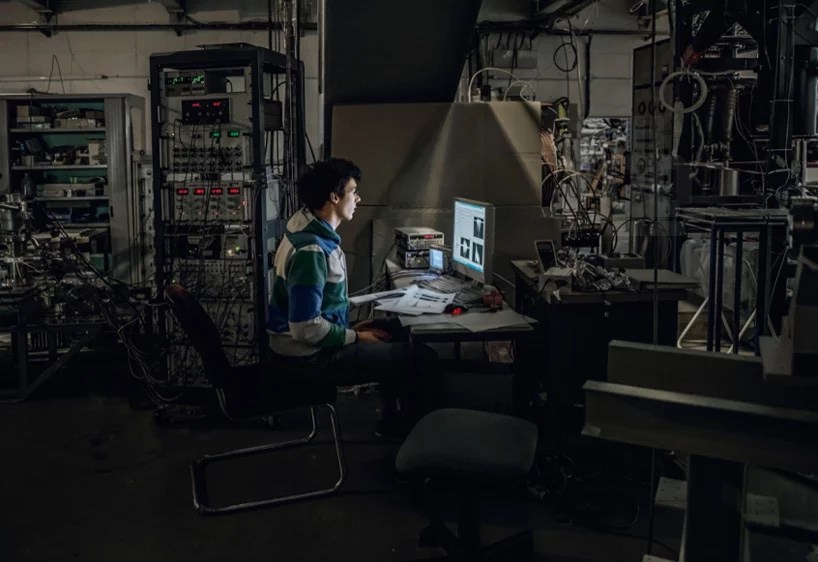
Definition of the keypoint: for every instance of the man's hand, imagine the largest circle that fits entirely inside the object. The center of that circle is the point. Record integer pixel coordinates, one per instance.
(372, 335)
(363, 325)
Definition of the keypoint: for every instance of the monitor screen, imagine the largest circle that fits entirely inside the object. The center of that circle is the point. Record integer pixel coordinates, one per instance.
(473, 239)
(436, 260)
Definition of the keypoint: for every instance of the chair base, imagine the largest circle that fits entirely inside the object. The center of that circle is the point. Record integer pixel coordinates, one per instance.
(514, 547)
(199, 481)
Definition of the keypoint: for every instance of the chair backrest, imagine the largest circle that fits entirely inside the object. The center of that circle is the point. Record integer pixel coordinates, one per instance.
(203, 334)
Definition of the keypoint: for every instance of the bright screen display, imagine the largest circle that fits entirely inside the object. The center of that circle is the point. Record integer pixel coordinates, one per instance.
(469, 235)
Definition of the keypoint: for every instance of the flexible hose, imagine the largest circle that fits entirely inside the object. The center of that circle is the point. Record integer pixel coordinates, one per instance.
(696, 105)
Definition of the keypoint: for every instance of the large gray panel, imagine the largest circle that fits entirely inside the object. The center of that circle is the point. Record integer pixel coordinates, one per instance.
(389, 52)
(424, 155)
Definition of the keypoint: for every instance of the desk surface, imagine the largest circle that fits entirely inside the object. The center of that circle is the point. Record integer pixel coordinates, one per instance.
(448, 331)
(527, 271)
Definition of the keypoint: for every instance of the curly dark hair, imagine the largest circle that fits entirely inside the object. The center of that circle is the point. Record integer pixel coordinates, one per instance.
(324, 178)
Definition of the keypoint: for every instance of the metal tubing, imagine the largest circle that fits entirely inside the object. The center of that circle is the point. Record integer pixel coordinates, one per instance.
(692, 321)
(739, 262)
(763, 278)
(215, 26)
(718, 299)
(199, 484)
(711, 290)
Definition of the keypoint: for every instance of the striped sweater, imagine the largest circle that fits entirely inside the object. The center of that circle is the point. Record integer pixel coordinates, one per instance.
(309, 306)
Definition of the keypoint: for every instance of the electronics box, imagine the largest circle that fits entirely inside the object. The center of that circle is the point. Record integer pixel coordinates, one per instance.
(413, 259)
(417, 237)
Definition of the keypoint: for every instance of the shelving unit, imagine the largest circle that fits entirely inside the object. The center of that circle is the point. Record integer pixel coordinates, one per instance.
(94, 140)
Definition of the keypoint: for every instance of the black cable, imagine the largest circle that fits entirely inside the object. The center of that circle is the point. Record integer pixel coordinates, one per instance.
(270, 24)
(309, 144)
(569, 67)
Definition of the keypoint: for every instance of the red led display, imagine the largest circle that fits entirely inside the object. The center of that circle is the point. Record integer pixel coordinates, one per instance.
(216, 191)
(182, 191)
(199, 191)
(196, 104)
(217, 104)
(233, 190)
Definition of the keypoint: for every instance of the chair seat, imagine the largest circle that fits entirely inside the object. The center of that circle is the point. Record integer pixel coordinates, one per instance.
(259, 389)
(468, 442)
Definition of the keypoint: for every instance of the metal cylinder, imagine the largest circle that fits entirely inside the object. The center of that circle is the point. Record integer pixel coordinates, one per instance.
(711, 117)
(729, 113)
(728, 182)
(8, 220)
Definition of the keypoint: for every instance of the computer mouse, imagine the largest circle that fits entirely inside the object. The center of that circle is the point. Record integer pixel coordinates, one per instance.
(455, 309)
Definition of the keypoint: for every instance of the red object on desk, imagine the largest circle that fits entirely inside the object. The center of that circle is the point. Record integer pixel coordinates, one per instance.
(455, 309)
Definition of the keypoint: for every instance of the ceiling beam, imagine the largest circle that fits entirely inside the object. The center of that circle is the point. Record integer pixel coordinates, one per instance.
(47, 10)
(174, 7)
(177, 10)
(42, 7)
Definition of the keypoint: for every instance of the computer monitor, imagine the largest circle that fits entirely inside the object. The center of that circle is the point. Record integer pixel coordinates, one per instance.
(473, 239)
(436, 260)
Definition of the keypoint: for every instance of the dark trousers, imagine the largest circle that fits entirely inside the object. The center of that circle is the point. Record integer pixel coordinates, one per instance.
(406, 373)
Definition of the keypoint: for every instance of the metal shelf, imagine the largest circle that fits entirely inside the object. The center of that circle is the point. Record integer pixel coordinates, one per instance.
(86, 225)
(57, 130)
(81, 198)
(70, 167)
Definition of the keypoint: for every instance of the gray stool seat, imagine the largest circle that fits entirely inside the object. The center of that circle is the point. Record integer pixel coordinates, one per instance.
(468, 448)
(473, 443)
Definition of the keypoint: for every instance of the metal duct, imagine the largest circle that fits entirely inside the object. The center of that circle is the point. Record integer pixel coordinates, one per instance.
(387, 52)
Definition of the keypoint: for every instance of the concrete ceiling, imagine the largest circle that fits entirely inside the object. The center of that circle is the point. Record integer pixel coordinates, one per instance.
(246, 9)
(257, 9)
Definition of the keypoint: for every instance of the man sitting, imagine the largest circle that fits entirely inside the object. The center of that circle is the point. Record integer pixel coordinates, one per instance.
(308, 316)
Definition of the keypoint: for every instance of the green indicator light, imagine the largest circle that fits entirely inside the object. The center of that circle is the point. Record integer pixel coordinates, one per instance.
(215, 134)
(234, 134)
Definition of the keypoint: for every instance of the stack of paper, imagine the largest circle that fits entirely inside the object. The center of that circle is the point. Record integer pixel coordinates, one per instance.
(416, 301)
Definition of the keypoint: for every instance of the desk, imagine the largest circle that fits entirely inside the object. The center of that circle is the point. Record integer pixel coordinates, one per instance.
(524, 381)
(576, 332)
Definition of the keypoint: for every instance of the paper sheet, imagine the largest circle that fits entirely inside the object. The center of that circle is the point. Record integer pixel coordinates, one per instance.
(391, 306)
(418, 301)
(362, 299)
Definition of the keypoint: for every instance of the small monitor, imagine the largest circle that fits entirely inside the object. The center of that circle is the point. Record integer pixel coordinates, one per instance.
(473, 239)
(436, 263)
(546, 254)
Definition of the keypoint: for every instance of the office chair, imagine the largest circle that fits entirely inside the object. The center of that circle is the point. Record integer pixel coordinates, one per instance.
(251, 392)
(469, 449)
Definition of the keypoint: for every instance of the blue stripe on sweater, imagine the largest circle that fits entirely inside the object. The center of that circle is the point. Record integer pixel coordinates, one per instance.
(305, 303)
(301, 239)
(276, 319)
(340, 317)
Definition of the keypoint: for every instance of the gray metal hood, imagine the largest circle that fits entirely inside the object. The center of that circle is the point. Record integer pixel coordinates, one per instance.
(381, 51)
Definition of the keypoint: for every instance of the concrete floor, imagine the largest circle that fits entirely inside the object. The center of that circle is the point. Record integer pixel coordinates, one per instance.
(86, 477)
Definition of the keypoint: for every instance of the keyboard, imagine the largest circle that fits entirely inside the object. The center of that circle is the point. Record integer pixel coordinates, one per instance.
(465, 292)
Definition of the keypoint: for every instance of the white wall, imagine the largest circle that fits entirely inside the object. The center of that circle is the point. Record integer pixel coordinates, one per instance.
(120, 56)
(611, 55)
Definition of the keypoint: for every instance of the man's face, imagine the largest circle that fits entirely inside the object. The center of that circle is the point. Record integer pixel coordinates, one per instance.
(345, 207)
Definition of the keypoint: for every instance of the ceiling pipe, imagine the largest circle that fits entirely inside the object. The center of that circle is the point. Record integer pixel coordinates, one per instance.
(202, 26)
(527, 25)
